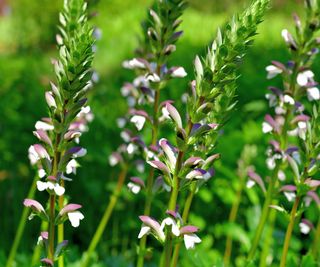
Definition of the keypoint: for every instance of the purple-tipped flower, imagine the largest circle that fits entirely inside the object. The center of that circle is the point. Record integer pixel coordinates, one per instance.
(47, 262)
(255, 178)
(151, 226)
(136, 184)
(189, 236)
(174, 114)
(169, 153)
(34, 205)
(160, 166)
(305, 226)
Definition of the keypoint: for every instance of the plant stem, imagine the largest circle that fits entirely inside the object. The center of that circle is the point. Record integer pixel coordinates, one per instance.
(52, 200)
(264, 215)
(149, 186)
(232, 218)
(289, 232)
(21, 225)
(315, 245)
(61, 227)
(185, 216)
(106, 216)
(268, 239)
(37, 250)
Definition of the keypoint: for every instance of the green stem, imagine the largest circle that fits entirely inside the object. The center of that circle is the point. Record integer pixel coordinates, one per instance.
(268, 239)
(37, 250)
(232, 218)
(264, 215)
(185, 216)
(21, 226)
(289, 232)
(172, 206)
(106, 216)
(61, 227)
(315, 245)
(51, 231)
(149, 186)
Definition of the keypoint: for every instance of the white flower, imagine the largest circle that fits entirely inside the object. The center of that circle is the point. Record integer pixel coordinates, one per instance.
(281, 175)
(113, 160)
(288, 99)
(59, 190)
(313, 93)
(133, 63)
(138, 121)
(75, 217)
(266, 127)
(40, 125)
(134, 188)
(131, 148)
(272, 100)
(290, 196)
(41, 173)
(144, 231)
(72, 166)
(250, 183)
(285, 35)
(304, 228)
(304, 77)
(179, 72)
(174, 227)
(190, 240)
(33, 155)
(273, 71)
(153, 78)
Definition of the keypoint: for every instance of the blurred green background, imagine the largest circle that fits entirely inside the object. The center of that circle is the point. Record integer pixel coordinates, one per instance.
(27, 44)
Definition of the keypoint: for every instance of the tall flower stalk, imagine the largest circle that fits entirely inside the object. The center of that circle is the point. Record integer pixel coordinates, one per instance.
(160, 33)
(294, 148)
(55, 154)
(188, 164)
(244, 168)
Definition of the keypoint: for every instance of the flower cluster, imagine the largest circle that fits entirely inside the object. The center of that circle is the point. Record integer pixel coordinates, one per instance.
(293, 155)
(172, 224)
(55, 156)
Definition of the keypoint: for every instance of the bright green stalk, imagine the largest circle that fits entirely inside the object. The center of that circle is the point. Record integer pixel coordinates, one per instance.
(149, 186)
(264, 214)
(21, 226)
(289, 232)
(185, 215)
(106, 216)
(268, 238)
(37, 250)
(232, 218)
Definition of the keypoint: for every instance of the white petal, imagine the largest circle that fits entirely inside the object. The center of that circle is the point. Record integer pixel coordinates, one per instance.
(285, 35)
(250, 183)
(72, 166)
(113, 161)
(59, 190)
(75, 217)
(179, 73)
(174, 227)
(288, 99)
(134, 188)
(131, 148)
(272, 71)
(41, 173)
(40, 125)
(41, 186)
(304, 228)
(33, 155)
(313, 93)
(190, 240)
(266, 127)
(304, 77)
(290, 196)
(144, 231)
(138, 121)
